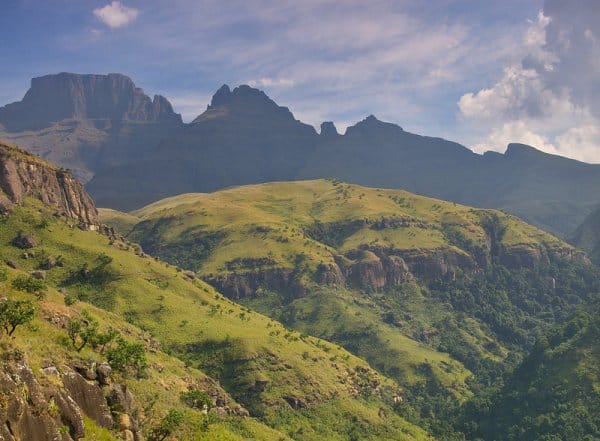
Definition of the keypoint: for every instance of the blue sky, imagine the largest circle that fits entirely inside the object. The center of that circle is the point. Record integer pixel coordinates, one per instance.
(481, 73)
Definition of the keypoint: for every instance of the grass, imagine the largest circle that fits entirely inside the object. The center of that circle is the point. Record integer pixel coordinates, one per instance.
(197, 327)
(268, 226)
(274, 221)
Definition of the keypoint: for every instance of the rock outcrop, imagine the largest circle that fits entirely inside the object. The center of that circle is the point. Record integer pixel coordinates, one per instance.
(24, 175)
(51, 406)
(53, 98)
(31, 410)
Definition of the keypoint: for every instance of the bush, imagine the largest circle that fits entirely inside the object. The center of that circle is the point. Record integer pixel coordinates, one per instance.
(103, 339)
(196, 399)
(14, 313)
(30, 284)
(128, 357)
(82, 330)
(70, 299)
(167, 426)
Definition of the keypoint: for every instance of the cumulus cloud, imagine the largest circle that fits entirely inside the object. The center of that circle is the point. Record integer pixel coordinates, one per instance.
(551, 97)
(116, 14)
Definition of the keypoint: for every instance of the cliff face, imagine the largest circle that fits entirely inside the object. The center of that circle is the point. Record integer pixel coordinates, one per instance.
(50, 406)
(54, 98)
(88, 122)
(22, 174)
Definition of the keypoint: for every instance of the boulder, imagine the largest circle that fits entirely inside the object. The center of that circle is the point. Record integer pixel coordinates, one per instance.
(25, 241)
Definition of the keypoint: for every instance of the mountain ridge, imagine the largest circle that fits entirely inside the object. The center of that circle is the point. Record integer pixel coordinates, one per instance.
(119, 159)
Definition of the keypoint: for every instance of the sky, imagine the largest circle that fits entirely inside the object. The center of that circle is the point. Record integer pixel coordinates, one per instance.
(480, 73)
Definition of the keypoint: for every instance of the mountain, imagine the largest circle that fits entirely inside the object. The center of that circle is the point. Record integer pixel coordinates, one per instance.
(443, 298)
(587, 236)
(244, 126)
(243, 137)
(109, 343)
(82, 122)
(554, 393)
(134, 150)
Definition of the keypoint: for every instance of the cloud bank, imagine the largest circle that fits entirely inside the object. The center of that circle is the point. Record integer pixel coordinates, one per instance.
(550, 98)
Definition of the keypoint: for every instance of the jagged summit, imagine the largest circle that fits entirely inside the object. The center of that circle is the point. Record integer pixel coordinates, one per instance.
(243, 101)
(516, 148)
(328, 129)
(371, 124)
(63, 96)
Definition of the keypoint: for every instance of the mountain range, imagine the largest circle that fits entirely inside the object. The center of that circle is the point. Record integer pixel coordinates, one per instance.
(132, 150)
(270, 311)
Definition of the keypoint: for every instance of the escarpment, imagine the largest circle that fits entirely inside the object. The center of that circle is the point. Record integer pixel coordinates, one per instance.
(379, 268)
(24, 175)
(291, 238)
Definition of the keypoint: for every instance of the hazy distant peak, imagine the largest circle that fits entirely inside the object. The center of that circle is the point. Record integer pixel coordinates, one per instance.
(328, 129)
(243, 100)
(61, 96)
(515, 148)
(370, 124)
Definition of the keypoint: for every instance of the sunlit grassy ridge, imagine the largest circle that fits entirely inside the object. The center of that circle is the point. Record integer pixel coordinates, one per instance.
(272, 221)
(292, 382)
(429, 333)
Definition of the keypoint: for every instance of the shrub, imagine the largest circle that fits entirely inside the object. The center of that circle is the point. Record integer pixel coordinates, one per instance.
(14, 313)
(167, 426)
(103, 339)
(30, 284)
(128, 357)
(70, 299)
(82, 330)
(196, 399)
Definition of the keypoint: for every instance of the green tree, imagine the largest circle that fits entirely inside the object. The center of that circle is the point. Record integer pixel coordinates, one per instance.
(196, 399)
(82, 330)
(167, 426)
(102, 339)
(14, 313)
(128, 357)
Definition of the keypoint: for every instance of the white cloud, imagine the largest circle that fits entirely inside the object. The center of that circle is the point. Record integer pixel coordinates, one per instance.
(584, 140)
(551, 98)
(516, 132)
(116, 15)
(190, 104)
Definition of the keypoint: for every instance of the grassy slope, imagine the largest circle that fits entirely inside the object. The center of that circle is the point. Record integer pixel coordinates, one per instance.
(587, 236)
(122, 222)
(240, 348)
(286, 209)
(270, 221)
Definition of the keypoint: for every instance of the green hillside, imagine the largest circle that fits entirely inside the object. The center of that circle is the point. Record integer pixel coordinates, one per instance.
(428, 292)
(587, 236)
(293, 383)
(554, 394)
(321, 219)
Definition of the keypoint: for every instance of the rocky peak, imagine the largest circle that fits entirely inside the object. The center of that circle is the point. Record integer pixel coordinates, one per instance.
(244, 101)
(64, 96)
(371, 125)
(515, 150)
(328, 129)
(23, 174)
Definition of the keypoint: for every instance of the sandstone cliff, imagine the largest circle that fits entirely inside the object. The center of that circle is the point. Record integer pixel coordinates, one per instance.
(63, 96)
(23, 175)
